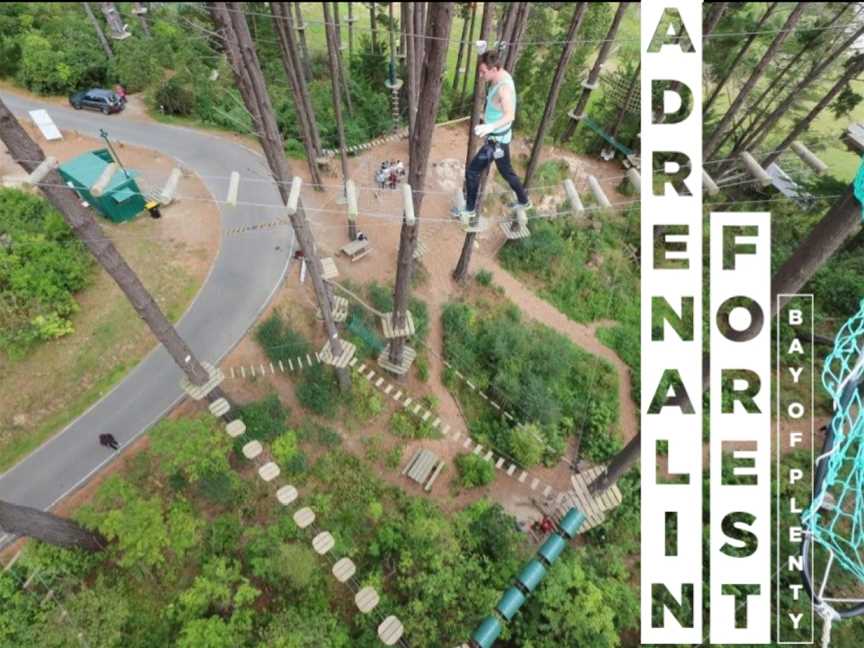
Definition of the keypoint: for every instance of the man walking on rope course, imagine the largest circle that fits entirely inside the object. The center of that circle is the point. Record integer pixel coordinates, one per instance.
(498, 130)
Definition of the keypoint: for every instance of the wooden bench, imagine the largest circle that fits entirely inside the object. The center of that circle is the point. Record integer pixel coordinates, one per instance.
(356, 249)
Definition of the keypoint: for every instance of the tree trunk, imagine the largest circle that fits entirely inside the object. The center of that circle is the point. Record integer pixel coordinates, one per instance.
(468, 60)
(282, 25)
(841, 222)
(778, 113)
(332, 49)
(419, 48)
(461, 271)
(462, 40)
(554, 90)
(230, 22)
(853, 69)
(343, 78)
(141, 12)
(47, 527)
(594, 75)
(301, 32)
(729, 69)
(711, 146)
(439, 22)
(713, 17)
(114, 19)
(407, 17)
(99, 33)
(350, 31)
(373, 21)
(519, 25)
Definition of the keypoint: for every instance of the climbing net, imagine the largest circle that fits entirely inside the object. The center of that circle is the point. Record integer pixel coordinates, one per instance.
(835, 519)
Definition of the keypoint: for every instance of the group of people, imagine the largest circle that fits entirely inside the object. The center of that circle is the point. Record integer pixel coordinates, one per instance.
(390, 174)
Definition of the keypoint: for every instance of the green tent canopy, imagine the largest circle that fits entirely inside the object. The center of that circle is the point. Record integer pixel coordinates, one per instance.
(122, 199)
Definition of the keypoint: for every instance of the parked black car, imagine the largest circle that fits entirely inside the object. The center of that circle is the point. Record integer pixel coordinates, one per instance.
(105, 101)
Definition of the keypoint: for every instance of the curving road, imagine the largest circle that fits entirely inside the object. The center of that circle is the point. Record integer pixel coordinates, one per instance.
(244, 277)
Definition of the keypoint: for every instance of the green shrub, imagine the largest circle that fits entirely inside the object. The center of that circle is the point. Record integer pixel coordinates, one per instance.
(484, 277)
(313, 432)
(407, 426)
(279, 341)
(422, 364)
(220, 488)
(393, 458)
(265, 419)
(366, 401)
(174, 98)
(298, 465)
(526, 445)
(474, 471)
(134, 66)
(318, 391)
(284, 447)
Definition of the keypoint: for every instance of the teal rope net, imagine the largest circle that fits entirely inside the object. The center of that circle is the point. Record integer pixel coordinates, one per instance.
(835, 519)
(858, 187)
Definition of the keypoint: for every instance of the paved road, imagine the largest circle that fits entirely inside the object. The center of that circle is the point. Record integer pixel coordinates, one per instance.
(244, 276)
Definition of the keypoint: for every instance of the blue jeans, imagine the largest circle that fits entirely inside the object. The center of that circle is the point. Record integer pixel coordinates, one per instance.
(481, 161)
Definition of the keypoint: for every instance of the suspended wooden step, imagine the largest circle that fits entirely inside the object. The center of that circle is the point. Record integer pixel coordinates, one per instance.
(708, 185)
(323, 543)
(395, 85)
(421, 249)
(476, 224)
(219, 407)
(408, 357)
(344, 569)
(599, 194)
(329, 270)
(252, 449)
(391, 331)
(169, 190)
(809, 158)
(339, 310)
(269, 471)
(286, 495)
(98, 188)
(235, 428)
(762, 177)
(390, 631)
(304, 517)
(518, 227)
(367, 599)
(348, 351)
(196, 392)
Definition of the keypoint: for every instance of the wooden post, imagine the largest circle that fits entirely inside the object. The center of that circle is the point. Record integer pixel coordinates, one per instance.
(350, 31)
(114, 19)
(106, 46)
(461, 270)
(407, 17)
(594, 75)
(61, 532)
(715, 13)
(440, 19)
(554, 90)
(461, 51)
(332, 49)
(294, 70)
(230, 22)
(712, 144)
(301, 32)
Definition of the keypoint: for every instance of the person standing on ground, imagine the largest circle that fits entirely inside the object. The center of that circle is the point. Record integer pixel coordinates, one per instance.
(108, 441)
(497, 128)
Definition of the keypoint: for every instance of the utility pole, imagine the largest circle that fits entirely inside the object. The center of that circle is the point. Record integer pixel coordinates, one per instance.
(554, 90)
(106, 46)
(301, 32)
(332, 49)
(406, 16)
(470, 44)
(342, 75)
(461, 271)
(462, 40)
(439, 22)
(590, 84)
(230, 22)
(294, 70)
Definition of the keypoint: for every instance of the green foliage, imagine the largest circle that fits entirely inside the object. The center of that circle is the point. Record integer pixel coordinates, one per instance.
(526, 445)
(484, 277)
(320, 434)
(474, 471)
(366, 402)
(393, 458)
(42, 266)
(192, 447)
(175, 98)
(134, 65)
(284, 448)
(406, 426)
(318, 391)
(279, 341)
(265, 419)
